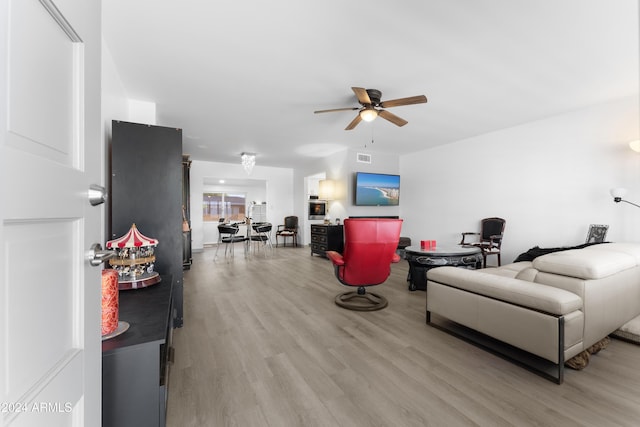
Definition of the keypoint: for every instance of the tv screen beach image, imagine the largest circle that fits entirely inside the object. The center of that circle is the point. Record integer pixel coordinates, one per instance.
(377, 189)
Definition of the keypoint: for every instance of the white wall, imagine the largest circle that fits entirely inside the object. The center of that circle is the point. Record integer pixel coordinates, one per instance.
(549, 179)
(142, 112)
(279, 191)
(114, 97)
(254, 192)
(116, 104)
(341, 167)
(114, 107)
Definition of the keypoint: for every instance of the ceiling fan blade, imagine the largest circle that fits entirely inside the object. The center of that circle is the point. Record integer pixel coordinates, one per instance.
(354, 122)
(337, 109)
(361, 93)
(392, 118)
(420, 99)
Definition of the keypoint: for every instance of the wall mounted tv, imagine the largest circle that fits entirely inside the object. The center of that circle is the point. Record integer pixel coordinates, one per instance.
(377, 189)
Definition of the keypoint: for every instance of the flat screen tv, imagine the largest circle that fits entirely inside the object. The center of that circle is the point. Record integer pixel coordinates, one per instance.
(377, 189)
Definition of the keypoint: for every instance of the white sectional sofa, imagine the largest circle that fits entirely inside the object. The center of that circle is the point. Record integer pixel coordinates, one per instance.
(553, 307)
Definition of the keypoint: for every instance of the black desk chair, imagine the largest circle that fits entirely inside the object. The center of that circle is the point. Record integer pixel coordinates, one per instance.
(228, 234)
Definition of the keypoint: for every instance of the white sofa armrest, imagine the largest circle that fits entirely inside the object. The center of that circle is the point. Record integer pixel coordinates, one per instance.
(536, 296)
(585, 264)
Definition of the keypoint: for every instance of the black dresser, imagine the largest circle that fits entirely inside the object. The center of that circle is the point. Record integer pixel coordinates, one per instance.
(325, 237)
(135, 365)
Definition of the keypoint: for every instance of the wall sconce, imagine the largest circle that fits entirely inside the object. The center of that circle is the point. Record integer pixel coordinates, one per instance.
(326, 189)
(635, 145)
(248, 162)
(618, 194)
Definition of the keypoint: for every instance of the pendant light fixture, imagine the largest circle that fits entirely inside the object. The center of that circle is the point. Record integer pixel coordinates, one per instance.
(248, 162)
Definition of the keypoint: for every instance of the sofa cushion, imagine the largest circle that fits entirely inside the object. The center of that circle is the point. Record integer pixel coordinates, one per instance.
(528, 274)
(588, 263)
(518, 270)
(631, 249)
(520, 292)
(508, 270)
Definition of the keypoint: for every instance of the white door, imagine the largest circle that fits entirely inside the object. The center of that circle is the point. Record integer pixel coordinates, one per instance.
(50, 153)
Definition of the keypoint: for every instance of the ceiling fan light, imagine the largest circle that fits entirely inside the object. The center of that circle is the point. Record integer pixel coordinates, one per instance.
(369, 114)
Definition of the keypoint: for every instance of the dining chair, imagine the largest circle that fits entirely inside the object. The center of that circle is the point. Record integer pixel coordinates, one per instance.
(228, 234)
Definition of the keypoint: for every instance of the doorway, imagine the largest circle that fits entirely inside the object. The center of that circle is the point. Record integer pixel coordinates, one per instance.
(229, 200)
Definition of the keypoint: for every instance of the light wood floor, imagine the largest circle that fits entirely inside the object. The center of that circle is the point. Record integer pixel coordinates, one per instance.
(263, 344)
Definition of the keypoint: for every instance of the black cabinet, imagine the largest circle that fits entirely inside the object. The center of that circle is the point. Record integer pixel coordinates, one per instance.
(135, 365)
(147, 189)
(325, 237)
(186, 207)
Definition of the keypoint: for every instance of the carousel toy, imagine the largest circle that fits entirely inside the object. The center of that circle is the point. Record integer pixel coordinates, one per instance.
(134, 260)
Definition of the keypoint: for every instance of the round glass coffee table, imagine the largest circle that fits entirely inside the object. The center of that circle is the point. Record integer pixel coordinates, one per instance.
(421, 260)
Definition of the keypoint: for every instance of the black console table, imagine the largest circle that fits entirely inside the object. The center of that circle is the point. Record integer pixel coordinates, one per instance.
(135, 365)
(326, 237)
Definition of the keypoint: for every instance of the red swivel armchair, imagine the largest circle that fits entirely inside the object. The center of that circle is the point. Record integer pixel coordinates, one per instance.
(369, 249)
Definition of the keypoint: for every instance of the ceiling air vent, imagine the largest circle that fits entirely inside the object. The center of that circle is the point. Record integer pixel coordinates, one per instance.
(363, 158)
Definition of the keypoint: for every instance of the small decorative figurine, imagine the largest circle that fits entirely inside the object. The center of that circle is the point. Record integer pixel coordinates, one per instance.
(134, 259)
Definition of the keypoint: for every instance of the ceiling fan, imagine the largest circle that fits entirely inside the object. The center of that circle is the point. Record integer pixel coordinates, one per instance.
(371, 107)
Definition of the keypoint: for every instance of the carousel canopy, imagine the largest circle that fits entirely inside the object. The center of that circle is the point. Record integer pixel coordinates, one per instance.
(133, 239)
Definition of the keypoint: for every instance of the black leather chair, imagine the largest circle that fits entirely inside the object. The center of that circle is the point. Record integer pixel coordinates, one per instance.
(262, 234)
(228, 234)
(489, 238)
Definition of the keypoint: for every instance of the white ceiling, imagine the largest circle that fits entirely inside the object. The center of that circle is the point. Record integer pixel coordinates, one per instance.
(247, 75)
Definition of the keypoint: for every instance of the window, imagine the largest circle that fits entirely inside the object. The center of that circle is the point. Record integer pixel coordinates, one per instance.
(229, 206)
